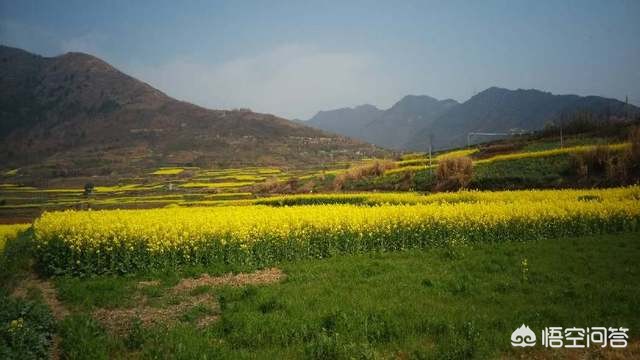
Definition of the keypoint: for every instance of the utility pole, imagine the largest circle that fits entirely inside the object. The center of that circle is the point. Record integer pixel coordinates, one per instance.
(430, 149)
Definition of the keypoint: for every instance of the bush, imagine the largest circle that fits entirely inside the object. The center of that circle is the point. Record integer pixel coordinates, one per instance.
(454, 173)
(88, 189)
(374, 168)
(597, 162)
(618, 168)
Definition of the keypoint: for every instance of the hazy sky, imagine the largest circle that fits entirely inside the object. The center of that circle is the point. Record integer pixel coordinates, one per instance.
(293, 58)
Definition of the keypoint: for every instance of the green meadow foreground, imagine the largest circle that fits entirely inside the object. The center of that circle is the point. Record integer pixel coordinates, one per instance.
(447, 275)
(455, 301)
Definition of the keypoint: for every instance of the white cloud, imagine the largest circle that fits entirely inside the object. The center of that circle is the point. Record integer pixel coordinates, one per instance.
(290, 81)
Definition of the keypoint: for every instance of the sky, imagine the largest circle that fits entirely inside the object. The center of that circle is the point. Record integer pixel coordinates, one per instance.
(294, 58)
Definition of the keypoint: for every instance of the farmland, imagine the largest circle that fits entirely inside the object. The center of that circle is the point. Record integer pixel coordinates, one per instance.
(349, 260)
(127, 241)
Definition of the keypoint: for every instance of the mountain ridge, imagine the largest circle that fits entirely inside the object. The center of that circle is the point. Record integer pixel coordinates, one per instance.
(75, 112)
(409, 122)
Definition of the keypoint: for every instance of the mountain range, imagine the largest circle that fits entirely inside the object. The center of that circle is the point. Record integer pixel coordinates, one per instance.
(412, 121)
(75, 112)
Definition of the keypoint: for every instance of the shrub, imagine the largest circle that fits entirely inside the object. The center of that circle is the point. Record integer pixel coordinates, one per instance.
(618, 167)
(374, 168)
(454, 173)
(597, 161)
(88, 189)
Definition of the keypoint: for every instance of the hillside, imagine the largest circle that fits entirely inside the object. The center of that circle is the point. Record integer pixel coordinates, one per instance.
(75, 113)
(408, 124)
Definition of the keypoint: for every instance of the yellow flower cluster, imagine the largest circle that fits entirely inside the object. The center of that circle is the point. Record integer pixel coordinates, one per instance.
(11, 231)
(131, 240)
(369, 198)
(420, 164)
(552, 152)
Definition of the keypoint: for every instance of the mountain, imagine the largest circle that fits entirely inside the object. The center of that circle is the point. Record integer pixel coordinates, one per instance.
(409, 123)
(388, 128)
(76, 113)
(501, 110)
(409, 115)
(346, 121)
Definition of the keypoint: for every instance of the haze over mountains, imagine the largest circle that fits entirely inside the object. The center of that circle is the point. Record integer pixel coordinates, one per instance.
(75, 111)
(408, 124)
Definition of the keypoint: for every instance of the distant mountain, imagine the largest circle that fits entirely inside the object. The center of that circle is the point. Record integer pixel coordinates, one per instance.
(346, 121)
(408, 124)
(406, 117)
(501, 110)
(75, 112)
(388, 128)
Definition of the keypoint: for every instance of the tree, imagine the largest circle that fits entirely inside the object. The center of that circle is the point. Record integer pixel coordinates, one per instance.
(88, 189)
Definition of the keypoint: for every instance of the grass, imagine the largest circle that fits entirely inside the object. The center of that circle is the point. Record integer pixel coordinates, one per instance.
(548, 153)
(168, 171)
(241, 177)
(216, 185)
(456, 153)
(457, 302)
(520, 173)
(128, 187)
(409, 165)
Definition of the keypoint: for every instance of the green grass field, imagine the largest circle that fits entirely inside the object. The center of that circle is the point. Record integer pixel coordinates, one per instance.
(459, 302)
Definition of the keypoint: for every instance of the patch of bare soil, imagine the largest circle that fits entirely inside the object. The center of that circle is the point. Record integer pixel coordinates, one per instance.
(119, 320)
(266, 276)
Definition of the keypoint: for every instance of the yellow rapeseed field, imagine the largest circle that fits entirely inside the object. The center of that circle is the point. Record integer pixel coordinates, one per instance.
(370, 198)
(118, 241)
(10, 231)
(413, 165)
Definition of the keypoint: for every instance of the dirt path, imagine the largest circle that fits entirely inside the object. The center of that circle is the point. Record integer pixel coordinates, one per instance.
(118, 321)
(266, 276)
(48, 291)
(50, 297)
